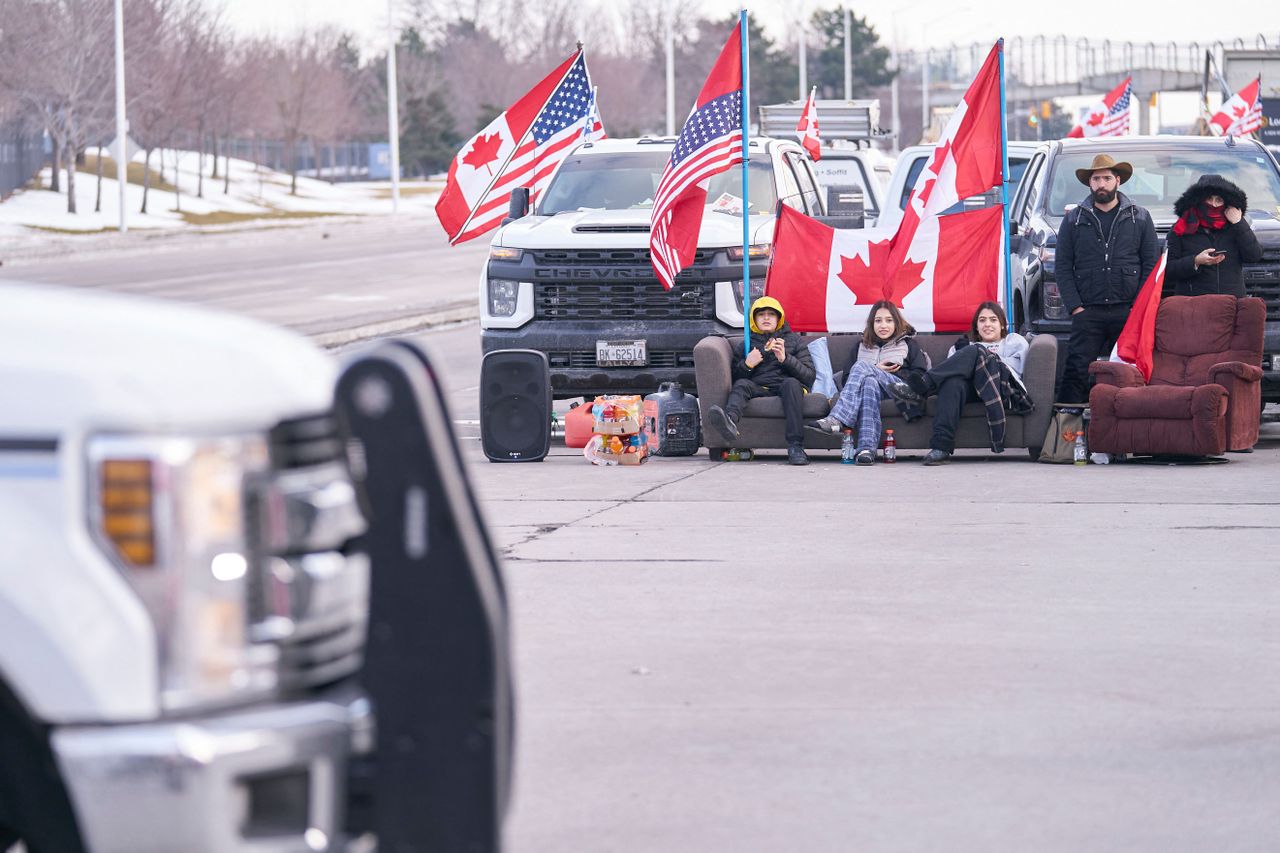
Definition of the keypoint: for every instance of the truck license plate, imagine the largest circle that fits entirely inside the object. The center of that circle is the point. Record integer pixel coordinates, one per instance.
(621, 354)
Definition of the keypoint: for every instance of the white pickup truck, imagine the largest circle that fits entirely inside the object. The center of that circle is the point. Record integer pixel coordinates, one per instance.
(182, 609)
(572, 278)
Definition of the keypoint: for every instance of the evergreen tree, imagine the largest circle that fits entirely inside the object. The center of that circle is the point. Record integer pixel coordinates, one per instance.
(870, 59)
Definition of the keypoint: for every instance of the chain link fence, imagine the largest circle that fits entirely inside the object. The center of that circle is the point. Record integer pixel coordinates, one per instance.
(21, 156)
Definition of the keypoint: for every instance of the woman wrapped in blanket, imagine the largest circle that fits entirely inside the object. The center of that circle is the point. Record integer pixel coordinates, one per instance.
(886, 355)
(953, 379)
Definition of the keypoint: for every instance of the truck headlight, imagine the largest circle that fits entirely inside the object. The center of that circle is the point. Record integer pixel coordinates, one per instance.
(170, 511)
(1051, 301)
(503, 295)
(757, 289)
(756, 252)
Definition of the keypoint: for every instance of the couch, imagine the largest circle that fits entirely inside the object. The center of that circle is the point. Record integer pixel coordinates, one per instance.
(761, 425)
(1204, 395)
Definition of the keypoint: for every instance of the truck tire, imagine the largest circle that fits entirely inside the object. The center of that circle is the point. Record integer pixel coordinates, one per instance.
(34, 806)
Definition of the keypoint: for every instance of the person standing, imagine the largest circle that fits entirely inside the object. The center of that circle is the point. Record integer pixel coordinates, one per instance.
(1106, 249)
(1211, 241)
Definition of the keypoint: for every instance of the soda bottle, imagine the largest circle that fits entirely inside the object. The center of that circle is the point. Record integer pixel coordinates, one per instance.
(848, 448)
(890, 446)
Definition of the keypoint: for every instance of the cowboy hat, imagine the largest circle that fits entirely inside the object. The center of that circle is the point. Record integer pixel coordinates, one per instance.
(1103, 161)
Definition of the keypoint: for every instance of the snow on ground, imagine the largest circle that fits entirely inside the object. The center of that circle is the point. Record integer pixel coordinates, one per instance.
(253, 192)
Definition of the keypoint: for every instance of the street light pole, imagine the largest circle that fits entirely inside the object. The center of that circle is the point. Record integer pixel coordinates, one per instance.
(122, 124)
(393, 109)
(670, 40)
(848, 54)
(804, 62)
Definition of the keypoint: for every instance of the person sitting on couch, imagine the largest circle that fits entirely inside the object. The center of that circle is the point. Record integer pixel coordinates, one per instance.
(956, 381)
(778, 365)
(887, 353)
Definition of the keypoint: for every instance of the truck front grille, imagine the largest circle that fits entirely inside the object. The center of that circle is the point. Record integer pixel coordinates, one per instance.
(1264, 282)
(310, 592)
(583, 359)
(593, 257)
(622, 301)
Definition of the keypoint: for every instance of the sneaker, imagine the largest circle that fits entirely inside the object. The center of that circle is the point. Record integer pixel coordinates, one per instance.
(904, 393)
(827, 426)
(723, 423)
(937, 457)
(796, 455)
(866, 457)
(919, 382)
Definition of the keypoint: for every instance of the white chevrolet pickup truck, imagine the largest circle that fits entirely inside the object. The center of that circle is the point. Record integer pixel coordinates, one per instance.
(572, 278)
(183, 590)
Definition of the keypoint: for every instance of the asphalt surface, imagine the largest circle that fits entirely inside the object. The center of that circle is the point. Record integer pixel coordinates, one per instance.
(990, 655)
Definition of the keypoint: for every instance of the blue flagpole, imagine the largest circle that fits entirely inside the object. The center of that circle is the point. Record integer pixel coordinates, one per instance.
(1004, 192)
(746, 212)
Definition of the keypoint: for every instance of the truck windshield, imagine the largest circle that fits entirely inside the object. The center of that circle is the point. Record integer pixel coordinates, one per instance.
(1160, 176)
(626, 180)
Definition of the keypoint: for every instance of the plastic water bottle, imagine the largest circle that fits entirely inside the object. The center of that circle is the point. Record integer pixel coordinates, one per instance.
(1081, 454)
(890, 446)
(848, 448)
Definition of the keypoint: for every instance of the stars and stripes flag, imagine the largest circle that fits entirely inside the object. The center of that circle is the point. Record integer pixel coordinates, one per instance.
(710, 143)
(937, 267)
(1109, 116)
(807, 127)
(520, 148)
(1241, 114)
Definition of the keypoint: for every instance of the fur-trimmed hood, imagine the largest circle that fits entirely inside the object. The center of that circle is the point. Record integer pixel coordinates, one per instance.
(1206, 186)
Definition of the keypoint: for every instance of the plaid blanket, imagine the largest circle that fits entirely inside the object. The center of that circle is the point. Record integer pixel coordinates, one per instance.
(999, 391)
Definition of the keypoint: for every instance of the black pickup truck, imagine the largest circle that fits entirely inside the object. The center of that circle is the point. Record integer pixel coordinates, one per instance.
(1163, 167)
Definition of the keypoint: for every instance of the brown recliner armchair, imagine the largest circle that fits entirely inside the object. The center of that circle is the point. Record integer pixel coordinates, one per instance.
(1205, 393)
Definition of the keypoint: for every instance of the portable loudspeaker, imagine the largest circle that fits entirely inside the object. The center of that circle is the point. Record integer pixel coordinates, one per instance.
(515, 405)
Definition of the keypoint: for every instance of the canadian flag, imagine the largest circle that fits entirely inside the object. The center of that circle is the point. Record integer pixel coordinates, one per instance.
(1109, 116)
(936, 268)
(1241, 114)
(1137, 341)
(807, 128)
(520, 147)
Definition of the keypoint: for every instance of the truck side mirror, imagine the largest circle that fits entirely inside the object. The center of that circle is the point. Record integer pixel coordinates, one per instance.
(519, 205)
(437, 661)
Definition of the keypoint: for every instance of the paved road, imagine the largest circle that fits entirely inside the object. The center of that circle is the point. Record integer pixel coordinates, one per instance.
(993, 655)
(323, 279)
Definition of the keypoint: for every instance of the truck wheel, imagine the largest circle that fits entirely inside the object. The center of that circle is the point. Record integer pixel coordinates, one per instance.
(34, 806)
(716, 454)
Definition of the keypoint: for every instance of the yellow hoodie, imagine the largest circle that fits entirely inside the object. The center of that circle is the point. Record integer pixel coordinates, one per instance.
(766, 302)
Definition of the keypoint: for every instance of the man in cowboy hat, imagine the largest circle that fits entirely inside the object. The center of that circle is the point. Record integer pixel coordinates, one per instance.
(1106, 248)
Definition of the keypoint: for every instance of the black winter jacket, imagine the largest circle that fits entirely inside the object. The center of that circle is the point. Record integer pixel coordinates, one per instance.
(770, 372)
(1094, 271)
(1238, 241)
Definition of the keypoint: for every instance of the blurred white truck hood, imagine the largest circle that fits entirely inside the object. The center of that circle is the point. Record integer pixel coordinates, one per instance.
(78, 359)
(585, 229)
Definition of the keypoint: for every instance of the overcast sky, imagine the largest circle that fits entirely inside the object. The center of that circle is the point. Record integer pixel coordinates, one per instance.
(914, 22)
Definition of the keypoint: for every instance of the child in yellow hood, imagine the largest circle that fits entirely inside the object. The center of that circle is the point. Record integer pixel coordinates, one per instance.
(778, 364)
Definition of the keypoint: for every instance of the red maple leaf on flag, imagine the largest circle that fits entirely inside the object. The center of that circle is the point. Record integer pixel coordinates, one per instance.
(909, 276)
(866, 280)
(484, 151)
(1239, 111)
(1095, 119)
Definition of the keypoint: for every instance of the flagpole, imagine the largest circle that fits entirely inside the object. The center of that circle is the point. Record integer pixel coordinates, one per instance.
(1004, 189)
(746, 212)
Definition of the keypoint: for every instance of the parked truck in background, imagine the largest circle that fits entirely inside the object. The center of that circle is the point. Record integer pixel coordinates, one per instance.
(572, 277)
(183, 592)
(1163, 167)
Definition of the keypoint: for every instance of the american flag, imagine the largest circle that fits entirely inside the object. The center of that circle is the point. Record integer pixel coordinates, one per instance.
(1109, 116)
(710, 142)
(568, 117)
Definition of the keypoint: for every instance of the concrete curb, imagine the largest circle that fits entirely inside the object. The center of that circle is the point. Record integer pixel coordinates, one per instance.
(454, 312)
